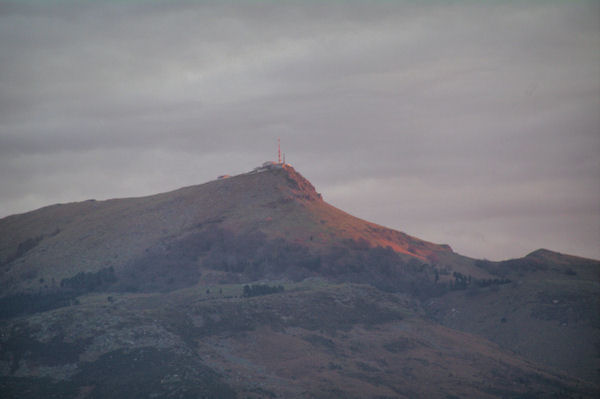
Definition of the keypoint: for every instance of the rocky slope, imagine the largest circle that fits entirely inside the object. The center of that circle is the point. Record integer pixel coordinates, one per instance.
(253, 286)
(312, 341)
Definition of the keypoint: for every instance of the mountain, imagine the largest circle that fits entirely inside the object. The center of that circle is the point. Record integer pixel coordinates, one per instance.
(182, 233)
(252, 286)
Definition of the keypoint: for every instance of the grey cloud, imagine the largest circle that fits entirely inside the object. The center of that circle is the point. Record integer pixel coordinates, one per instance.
(469, 98)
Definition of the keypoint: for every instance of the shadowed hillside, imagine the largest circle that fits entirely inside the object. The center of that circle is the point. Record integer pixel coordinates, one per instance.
(253, 286)
(254, 225)
(312, 340)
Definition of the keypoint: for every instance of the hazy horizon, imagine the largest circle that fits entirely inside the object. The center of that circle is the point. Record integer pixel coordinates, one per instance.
(474, 125)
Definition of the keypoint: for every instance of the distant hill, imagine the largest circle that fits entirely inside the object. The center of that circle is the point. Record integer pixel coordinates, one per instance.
(252, 286)
(550, 312)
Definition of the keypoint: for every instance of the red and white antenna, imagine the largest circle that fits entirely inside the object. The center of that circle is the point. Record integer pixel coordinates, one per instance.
(278, 151)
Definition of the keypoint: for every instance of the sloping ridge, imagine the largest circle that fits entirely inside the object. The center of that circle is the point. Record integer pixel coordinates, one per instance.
(270, 222)
(42, 247)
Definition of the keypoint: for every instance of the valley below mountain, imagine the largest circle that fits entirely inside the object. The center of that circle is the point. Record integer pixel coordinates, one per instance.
(253, 286)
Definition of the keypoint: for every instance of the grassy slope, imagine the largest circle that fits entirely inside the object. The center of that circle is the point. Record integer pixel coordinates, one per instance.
(549, 313)
(313, 340)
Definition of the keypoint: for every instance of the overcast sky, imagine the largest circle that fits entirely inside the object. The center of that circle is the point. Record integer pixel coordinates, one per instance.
(475, 125)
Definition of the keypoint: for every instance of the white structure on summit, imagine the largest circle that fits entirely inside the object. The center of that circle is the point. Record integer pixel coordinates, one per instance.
(269, 165)
(272, 164)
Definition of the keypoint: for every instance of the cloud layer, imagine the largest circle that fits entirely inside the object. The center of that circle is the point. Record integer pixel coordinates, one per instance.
(471, 124)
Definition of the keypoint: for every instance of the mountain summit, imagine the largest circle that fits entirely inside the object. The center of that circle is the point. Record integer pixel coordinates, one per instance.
(170, 240)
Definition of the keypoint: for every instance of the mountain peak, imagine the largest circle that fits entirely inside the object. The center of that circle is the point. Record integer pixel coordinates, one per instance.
(271, 206)
(541, 252)
(298, 185)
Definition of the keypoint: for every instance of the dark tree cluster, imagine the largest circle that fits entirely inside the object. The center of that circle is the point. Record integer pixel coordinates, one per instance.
(492, 281)
(20, 304)
(381, 267)
(24, 247)
(248, 256)
(84, 282)
(261, 289)
(253, 256)
(461, 282)
(70, 289)
(27, 245)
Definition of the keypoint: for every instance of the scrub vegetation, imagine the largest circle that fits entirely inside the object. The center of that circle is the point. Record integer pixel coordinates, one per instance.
(254, 287)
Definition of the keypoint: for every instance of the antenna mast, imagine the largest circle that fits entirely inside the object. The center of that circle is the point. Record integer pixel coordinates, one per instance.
(278, 151)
